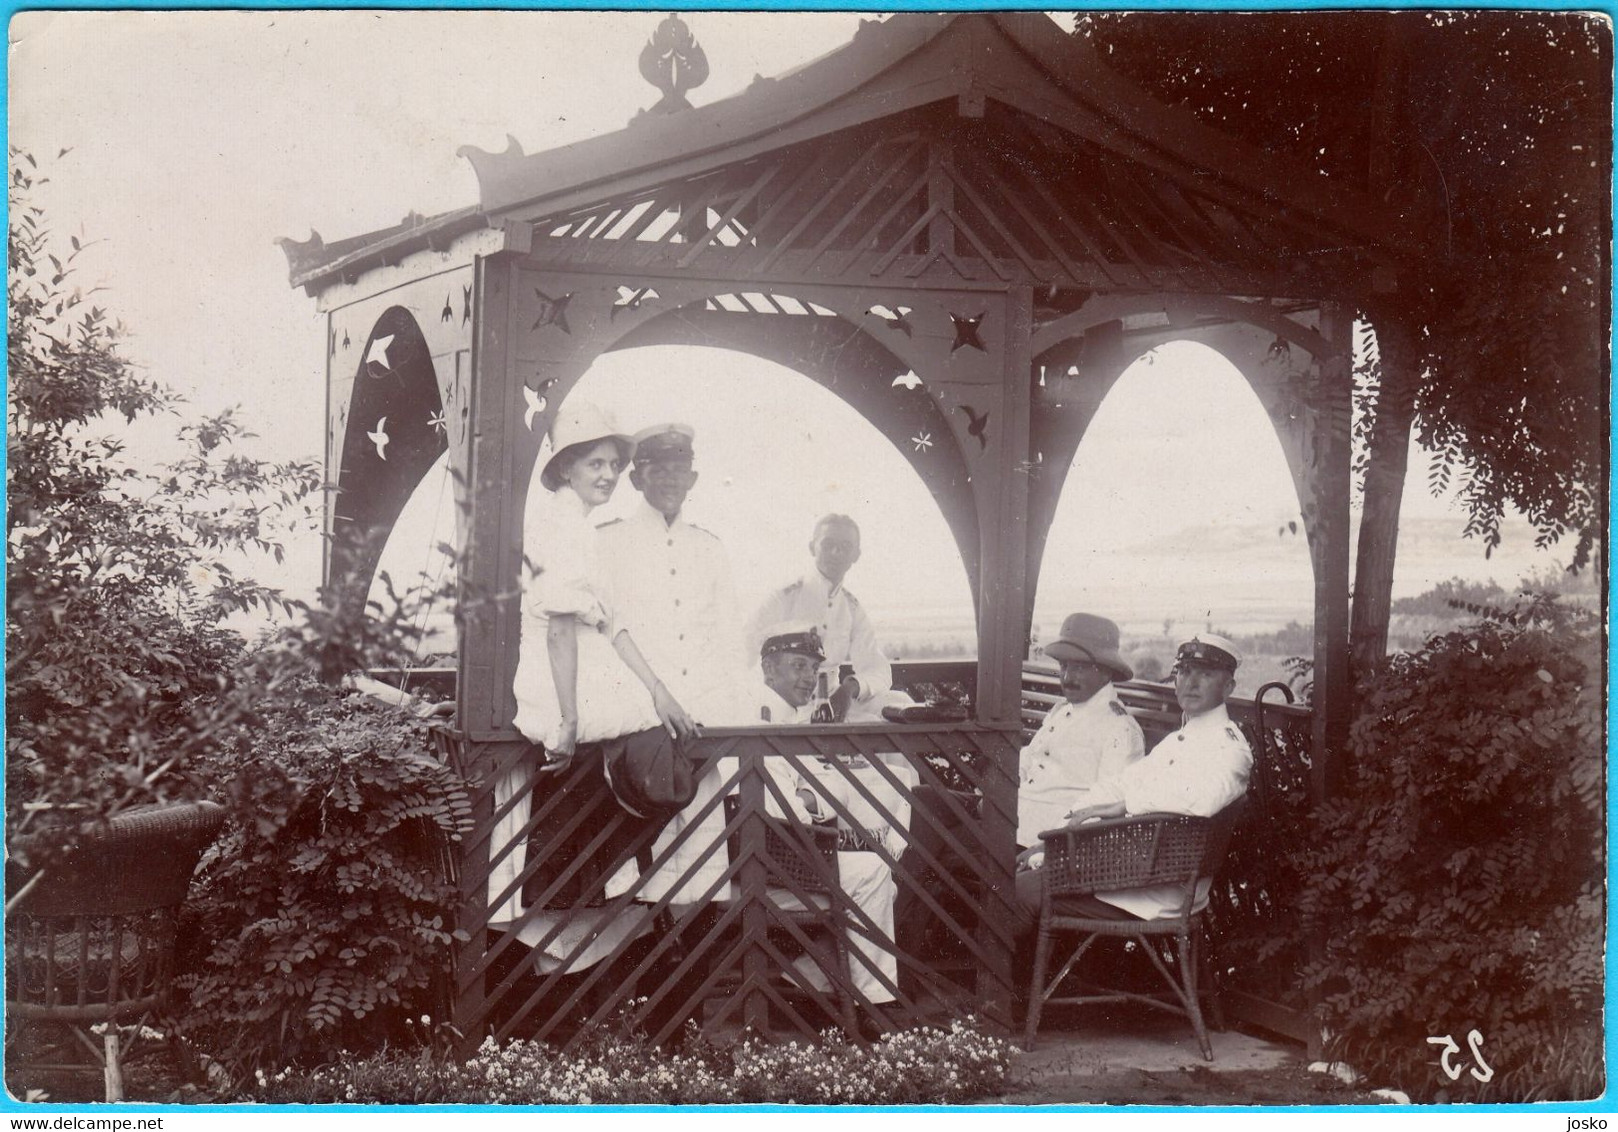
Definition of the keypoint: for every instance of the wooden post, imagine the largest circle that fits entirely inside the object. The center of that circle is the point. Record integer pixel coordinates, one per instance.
(754, 882)
(487, 597)
(1003, 527)
(1332, 483)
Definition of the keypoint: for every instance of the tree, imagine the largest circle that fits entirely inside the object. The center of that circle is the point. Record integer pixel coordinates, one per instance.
(119, 577)
(1493, 128)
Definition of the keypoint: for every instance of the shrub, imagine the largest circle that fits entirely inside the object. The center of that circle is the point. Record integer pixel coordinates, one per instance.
(321, 916)
(118, 576)
(1457, 878)
(920, 1066)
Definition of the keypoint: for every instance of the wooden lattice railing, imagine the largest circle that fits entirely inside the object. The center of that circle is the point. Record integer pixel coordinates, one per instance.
(706, 921)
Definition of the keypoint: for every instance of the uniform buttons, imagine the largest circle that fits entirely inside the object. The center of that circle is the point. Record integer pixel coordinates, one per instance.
(682, 671)
(671, 571)
(671, 542)
(682, 636)
(676, 601)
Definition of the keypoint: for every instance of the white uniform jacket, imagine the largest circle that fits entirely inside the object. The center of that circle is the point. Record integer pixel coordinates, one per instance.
(845, 629)
(1076, 746)
(671, 588)
(1198, 770)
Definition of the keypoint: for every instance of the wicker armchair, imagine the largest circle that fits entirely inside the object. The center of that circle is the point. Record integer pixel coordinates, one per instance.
(92, 939)
(790, 851)
(1113, 856)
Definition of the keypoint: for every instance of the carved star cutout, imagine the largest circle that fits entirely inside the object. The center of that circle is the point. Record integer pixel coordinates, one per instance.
(535, 405)
(552, 312)
(966, 331)
(377, 355)
(380, 438)
(908, 380)
(922, 440)
(437, 421)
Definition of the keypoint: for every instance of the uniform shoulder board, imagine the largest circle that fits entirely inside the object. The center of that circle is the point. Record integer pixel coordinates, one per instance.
(608, 523)
(791, 586)
(853, 602)
(764, 714)
(703, 531)
(1118, 708)
(1232, 733)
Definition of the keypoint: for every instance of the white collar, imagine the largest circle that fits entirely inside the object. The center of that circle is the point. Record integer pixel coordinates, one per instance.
(652, 517)
(1210, 720)
(820, 585)
(780, 710)
(1098, 704)
(571, 502)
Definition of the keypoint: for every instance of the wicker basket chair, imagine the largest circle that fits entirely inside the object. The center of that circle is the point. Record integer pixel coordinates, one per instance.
(1115, 855)
(789, 849)
(92, 939)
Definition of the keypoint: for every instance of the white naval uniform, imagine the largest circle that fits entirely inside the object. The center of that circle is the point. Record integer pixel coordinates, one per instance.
(671, 588)
(846, 637)
(1198, 770)
(1077, 746)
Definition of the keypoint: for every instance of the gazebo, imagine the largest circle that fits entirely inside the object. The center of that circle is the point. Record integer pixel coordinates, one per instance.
(973, 199)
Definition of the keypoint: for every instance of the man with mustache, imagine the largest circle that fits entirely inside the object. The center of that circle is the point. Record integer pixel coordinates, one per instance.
(1084, 740)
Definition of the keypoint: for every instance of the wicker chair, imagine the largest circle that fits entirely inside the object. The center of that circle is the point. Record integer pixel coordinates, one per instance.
(92, 939)
(1112, 856)
(789, 849)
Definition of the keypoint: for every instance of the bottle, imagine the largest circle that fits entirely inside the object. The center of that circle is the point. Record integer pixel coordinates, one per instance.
(822, 700)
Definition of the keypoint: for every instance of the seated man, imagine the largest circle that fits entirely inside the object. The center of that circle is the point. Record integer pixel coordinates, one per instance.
(789, 656)
(1198, 770)
(844, 627)
(1089, 737)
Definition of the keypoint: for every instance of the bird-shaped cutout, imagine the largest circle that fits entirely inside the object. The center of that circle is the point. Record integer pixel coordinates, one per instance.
(630, 298)
(345, 338)
(897, 318)
(379, 437)
(376, 358)
(552, 312)
(448, 313)
(966, 331)
(466, 304)
(535, 404)
(908, 380)
(976, 425)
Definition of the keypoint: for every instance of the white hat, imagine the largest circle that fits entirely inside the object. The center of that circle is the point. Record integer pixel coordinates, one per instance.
(1211, 650)
(580, 422)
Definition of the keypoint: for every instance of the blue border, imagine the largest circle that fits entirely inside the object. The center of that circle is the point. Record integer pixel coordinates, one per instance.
(1605, 1104)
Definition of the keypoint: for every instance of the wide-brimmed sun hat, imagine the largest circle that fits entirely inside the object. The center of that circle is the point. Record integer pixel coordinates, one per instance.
(1085, 636)
(581, 423)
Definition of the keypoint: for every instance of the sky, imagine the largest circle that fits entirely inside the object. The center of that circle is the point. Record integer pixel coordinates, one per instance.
(231, 129)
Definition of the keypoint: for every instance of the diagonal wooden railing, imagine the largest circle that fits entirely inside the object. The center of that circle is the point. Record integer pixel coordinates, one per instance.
(714, 916)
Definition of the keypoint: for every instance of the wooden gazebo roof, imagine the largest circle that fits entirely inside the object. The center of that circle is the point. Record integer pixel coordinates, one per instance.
(1054, 169)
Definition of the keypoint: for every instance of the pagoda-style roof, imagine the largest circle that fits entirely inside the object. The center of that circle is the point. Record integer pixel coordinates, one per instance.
(1115, 189)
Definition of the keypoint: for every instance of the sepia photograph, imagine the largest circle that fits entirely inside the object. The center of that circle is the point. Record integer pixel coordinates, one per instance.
(757, 558)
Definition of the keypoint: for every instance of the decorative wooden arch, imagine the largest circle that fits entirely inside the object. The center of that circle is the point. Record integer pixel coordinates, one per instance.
(975, 198)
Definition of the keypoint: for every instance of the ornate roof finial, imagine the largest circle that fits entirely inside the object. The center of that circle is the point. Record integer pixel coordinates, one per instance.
(674, 62)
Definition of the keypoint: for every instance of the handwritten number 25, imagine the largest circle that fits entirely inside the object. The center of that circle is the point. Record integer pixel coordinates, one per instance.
(1474, 1042)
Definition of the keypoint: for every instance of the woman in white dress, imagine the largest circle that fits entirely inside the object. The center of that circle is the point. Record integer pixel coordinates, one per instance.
(579, 679)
